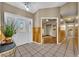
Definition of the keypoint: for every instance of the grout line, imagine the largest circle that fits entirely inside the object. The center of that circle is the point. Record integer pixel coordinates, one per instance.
(48, 50)
(66, 50)
(30, 52)
(19, 52)
(53, 54)
(39, 52)
(27, 50)
(58, 48)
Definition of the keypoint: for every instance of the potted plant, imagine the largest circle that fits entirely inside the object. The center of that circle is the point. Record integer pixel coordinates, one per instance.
(9, 31)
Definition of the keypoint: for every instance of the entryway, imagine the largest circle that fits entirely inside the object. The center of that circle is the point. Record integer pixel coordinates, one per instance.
(49, 30)
(69, 33)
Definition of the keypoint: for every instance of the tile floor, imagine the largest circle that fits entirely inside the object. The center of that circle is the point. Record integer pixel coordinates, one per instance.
(43, 50)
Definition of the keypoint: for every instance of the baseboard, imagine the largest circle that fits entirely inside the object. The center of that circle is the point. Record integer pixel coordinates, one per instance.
(36, 42)
(59, 43)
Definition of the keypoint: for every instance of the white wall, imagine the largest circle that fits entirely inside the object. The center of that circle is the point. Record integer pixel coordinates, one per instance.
(47, 12)
(49, 30)
(52, 32)
(69, 9)
(24, 35)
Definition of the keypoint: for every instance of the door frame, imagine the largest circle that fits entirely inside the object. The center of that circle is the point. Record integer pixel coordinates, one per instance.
(57, 27)
(78, 34)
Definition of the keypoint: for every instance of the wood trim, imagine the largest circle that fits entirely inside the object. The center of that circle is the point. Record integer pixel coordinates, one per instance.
(37, 34)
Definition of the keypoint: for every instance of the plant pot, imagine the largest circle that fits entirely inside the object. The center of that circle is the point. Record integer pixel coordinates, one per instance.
(8, 39)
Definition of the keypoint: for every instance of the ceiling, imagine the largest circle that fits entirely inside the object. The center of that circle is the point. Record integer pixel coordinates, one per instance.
(37, 5)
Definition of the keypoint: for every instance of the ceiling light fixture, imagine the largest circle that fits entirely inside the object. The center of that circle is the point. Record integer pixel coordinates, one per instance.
(47, 20)
(27, 5)
(61, 20)
(27, 8)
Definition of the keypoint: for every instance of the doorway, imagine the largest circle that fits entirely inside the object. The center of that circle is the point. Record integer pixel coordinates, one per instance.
(49, 30)
(69, 34)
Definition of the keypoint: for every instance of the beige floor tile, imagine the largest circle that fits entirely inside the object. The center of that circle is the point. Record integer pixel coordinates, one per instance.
(46, 49)
(42, 51)
(59, 54)
(61, 51)
(17, 54)
(48, 54)
(26, 55)
(62, 48)
(21, 48)
(24, 52)
(69, 55)
(39, 48)
(33, 52)
(53, 49)
(37, 55)
(52, 52)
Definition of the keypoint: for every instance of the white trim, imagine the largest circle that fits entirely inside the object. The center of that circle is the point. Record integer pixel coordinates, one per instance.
(41, 32)
(49, 18)
(78, 36)
(57, 30)
(36, 42)
(41, 26)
